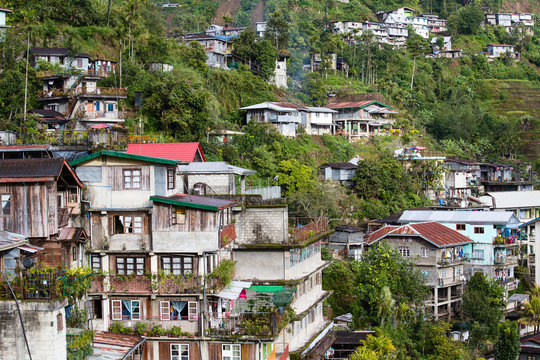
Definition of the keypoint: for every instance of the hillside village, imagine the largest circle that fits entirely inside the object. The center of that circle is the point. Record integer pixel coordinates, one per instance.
(362, 190)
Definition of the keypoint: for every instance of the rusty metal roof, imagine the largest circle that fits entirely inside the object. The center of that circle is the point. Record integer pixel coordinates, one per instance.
(433, 232)
(46, 169)
(9, 148)
(108, 345)
(9, 240)
(70, 233)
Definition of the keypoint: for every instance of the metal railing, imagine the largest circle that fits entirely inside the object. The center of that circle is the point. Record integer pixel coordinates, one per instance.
(304, 232)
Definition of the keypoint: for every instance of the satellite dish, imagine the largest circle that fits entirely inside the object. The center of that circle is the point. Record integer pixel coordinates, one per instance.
(28, 262)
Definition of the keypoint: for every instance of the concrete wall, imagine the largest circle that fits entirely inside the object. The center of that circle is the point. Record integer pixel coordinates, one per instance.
(47, 338)
(262, 225)
(165, 241)
(261, 265)
(216, 183)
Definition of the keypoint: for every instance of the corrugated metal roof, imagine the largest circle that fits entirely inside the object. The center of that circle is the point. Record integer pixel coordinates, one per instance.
(18, 170)
(111, 346)
(15, 148)
(218, 167)
(339, 165)
(356, 104)
(171, 151)
(433, 232)
(460, 217)
(319, 109)
(70, 233)
(271, 106)
(512, 199)
(194, 201)
(9, 240)
(233, 290)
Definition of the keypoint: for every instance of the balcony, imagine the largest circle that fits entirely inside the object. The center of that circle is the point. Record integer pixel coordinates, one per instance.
(505, 241)
(105, 91)
(102, 115)
(111, 138)
(310, 230)
(156, 283)
(131, 284)
(256, 324)
(450, 261)
(73, 72)
(505, 260)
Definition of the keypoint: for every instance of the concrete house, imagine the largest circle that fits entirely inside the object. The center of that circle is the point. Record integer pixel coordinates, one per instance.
(212, 178)
(41, 200)
(285, 116)
(340, 171)
(525, 204)
(217, 47)
(358, 119)
(437, 252)
(61, 57)
(494, 242)
(528, 236)
(498, 50)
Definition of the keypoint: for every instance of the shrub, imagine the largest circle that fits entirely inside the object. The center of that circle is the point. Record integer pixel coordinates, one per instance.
(157, 331)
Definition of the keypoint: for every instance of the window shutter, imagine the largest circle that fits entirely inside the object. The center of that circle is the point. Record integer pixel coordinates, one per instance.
(117, 309)
(165, 310)
(192, 310)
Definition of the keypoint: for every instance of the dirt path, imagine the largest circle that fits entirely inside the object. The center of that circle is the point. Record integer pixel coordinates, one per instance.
(258, 14)
(227, 7)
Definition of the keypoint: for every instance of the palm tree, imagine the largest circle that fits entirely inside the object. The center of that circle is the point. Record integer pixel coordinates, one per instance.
(531, 310)
(382, 345)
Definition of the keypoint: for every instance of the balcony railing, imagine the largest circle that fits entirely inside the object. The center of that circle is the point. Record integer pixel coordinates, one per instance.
(74, 72)
(106, 91)
(304, 232)
(116, 138)
(448, 261)
(254, 324)
(156, 283)
(103, 114)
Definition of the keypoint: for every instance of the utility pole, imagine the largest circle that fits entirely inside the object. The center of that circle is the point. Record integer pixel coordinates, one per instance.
(26, 79)
(108, 12)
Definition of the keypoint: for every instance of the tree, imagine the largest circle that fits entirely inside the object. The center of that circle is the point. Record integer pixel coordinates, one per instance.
(468, 19)
(507, 345)
(277, 30)
(531, 312)
(440, 347)
(294, 176)
(484, 306)
(315, 87)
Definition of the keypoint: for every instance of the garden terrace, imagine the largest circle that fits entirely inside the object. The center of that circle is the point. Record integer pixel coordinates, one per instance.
(306, 228)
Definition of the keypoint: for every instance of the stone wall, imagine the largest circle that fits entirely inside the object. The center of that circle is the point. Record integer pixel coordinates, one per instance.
(45, 325)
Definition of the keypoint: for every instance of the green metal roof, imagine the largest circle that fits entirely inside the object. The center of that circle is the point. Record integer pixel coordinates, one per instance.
(124, 155)
(193, 201)
(266, 288)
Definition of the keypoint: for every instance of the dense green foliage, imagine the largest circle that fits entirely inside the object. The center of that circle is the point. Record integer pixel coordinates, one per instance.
(507, 345)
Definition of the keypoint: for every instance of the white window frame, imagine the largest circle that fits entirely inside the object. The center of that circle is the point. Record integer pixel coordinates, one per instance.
(227, 352)
(179, 349)
(165, 310)
(117, 315)
(93, 258)
(193, 310)
(424, 252)
(404, 251)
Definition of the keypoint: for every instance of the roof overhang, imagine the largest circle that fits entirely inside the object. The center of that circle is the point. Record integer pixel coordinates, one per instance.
(123, 155)
(188, 204)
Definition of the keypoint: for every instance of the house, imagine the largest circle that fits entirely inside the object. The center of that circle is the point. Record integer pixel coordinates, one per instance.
(356, 119)
(317, 120)
(494, 241)
(41, 200)
(162, 67)
(437, 252)
(288, 261)
(285, 116)
(212, 178)
(435, 24)
(340, 171)
(187, 152)
(451, 54)
(78, 97)
(498, 50)
(25, 152)
(530, 347)
(462, 178)
(525, 204)
(102, 67)
(218, 48)
(61, 57)
(447, 44)
(260, 28)
(528, 235)
(279, 79)
(50, 120)
(349, 239)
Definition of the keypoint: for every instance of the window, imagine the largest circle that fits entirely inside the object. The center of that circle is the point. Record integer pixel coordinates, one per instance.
(177, 310)
(79, 63)
(110, 107)
(126, 310)
(177, 265)
(458, 270)
(424, 252)
(179, 351)
(95, 263)
(478, 230)
(230, 352)
(6, 204)
(128, 224)
(478, 254)
(132, 179)
(404, 251)
(460, 227)
(95, 309)
(443, 273)
(171, 175)
(59, 323)
(178, 216)
(130, 265)
(425, 274)
(74, 253)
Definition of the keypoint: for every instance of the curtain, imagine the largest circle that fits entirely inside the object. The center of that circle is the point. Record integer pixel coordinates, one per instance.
(177, 306)
(126, 309)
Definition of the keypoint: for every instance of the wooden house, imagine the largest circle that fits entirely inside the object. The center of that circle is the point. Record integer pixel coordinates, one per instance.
(40, 199)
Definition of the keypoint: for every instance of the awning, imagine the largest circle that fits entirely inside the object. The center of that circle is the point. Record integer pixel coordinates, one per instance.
(233, 290)
(30, 248)
(266, 288)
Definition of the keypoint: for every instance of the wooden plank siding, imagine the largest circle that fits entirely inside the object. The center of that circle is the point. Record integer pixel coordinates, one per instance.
(165, 349)
(196, 219)
(33, 209)
(115, 175)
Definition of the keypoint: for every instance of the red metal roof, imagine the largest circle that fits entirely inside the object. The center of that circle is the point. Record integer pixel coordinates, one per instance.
(437, 234)
(25, 147)
(171, 151)
(287, 104)
(350, 104)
